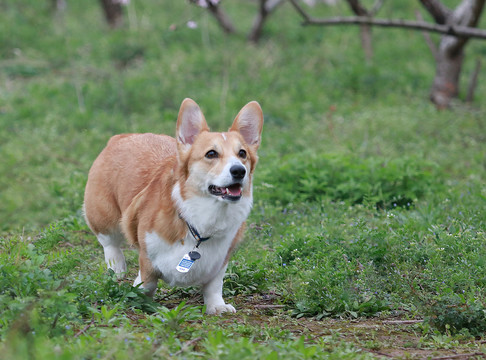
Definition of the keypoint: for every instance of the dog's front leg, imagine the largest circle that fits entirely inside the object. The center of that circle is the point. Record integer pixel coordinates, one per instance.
(213, 295)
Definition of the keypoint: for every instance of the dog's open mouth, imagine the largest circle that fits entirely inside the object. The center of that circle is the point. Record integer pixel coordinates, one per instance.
(231, 192)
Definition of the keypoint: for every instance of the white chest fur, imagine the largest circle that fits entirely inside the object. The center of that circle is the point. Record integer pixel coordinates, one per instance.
(212, 218)
(165, 258)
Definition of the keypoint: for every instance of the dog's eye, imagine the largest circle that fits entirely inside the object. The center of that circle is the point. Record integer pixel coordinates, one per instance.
(242, 154)
(211, 154)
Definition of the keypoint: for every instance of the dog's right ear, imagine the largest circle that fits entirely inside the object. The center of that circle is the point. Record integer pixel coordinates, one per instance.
(190, 123)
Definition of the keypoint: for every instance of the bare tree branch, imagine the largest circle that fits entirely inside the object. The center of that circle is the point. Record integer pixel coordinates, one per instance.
(218, 13)
(266, 8)
(365, 30)
(376, 7)
(223, 19)
(428, 39)
(439, 11)
(473, 82)
(358, 8)
(453, 30)
(467, 14)
(300, 10)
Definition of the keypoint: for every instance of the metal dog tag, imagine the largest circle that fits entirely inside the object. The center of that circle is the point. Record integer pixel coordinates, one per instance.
(194, 255)
(185, 264)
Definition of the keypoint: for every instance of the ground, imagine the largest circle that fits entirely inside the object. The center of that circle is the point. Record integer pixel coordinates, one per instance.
(394, 337)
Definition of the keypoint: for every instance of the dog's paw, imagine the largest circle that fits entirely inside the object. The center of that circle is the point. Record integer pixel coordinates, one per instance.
(120, 269)
(116, 261)
(219, 309)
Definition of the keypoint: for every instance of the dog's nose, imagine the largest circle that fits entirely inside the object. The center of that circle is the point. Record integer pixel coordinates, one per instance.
(238, 172)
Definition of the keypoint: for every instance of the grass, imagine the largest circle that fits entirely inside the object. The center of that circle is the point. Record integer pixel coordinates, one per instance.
(369, 204)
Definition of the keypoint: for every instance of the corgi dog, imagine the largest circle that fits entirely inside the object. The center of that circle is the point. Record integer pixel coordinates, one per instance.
(182, 202)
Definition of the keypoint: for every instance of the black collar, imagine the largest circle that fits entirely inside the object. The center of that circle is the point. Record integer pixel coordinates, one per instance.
(196, 235)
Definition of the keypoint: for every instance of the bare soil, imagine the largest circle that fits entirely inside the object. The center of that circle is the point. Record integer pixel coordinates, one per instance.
(387, 338)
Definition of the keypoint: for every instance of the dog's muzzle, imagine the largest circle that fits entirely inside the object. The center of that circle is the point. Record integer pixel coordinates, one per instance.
(231, 192)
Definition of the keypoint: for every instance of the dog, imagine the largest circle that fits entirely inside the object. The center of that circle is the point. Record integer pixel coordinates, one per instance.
(182, 202)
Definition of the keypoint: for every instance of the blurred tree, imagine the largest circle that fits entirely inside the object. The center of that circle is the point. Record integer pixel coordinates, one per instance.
(113, 11)
(215, 9)
(266, 8)
(58, 5)
(360, 10)
(457, 27)
(450, 53)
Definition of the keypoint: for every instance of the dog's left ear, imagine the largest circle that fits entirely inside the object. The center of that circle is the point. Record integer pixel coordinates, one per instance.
(249, 123)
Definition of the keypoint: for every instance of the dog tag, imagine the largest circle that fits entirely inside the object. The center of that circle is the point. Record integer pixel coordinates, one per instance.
(185, 264)
(194, 255)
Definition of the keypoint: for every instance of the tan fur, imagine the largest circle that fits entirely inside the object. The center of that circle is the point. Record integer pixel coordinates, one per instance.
(122, 171)
(238, 238)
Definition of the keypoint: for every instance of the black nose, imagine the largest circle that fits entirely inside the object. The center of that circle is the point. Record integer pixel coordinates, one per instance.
(238, 172)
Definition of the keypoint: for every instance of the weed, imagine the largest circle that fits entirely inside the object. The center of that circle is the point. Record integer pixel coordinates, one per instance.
(244, 278)
(385, 183)
(454, 314)
(174, 318)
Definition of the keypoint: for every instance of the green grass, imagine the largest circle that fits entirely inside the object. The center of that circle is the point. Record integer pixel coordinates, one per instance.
(369, 203)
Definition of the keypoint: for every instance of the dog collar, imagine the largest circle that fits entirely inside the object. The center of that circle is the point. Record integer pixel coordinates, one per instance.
(196, 235)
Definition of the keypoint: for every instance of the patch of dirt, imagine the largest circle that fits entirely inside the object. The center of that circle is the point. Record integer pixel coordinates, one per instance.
(387, 338)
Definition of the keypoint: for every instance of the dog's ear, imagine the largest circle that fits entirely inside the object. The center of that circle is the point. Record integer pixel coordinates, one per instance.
(249, 123)
(190, 122)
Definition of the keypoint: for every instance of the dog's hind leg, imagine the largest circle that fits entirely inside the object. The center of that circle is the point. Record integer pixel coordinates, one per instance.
(114, 257)
(103, 218)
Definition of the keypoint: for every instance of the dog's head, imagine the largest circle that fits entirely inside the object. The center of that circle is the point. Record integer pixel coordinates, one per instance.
(218, 165)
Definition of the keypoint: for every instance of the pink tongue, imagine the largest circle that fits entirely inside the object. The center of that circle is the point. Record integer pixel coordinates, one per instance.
(235, 190)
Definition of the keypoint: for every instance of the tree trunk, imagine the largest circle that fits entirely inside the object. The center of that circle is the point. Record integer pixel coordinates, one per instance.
(457, 25)
(473, 82)
(365, 30)
(266, 8)
(256, 30)
(451, 52)
(113, 12)
(366, 42)
(59, 5)
(448, 71)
